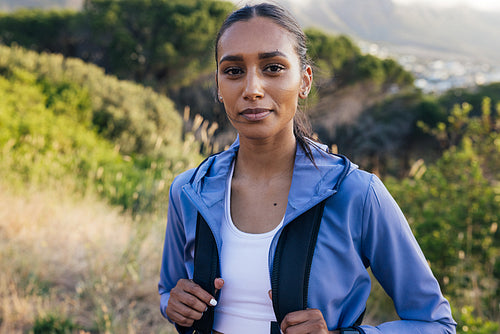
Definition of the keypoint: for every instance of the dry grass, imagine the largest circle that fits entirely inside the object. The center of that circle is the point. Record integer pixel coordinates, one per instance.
(80, 260)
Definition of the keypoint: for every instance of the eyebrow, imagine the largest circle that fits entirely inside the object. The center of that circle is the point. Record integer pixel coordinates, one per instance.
(230, 58)
(272, 54)
(264, 55)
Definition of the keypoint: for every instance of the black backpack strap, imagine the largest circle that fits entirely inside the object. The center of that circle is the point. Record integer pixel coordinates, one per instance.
(292, 263)
(206, 270)
(360, 319)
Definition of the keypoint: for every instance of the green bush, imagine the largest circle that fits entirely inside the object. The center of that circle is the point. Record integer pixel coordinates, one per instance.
(453, 207)
(53, 324)
(330, 53)
(48, 108)
(468, 323)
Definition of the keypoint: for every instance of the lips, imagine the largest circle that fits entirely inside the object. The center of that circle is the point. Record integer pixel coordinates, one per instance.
(255, 114)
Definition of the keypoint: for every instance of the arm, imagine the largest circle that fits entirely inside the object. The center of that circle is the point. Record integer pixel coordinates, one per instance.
(182, 301)
(401, 268)
(172, 265)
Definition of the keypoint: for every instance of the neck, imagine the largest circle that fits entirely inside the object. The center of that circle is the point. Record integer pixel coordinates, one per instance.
(266, 159)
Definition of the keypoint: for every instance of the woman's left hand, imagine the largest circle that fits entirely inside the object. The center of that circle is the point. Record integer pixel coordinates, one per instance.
(309, 321)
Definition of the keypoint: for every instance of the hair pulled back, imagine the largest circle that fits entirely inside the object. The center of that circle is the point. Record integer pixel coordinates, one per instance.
(280, 16)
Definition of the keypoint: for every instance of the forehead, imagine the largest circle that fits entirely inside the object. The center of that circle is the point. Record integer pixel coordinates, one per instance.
(256, 35)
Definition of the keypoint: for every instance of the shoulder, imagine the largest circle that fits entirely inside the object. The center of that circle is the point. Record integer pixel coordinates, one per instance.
(181, 180)
(367, 184)
(359, 179)
(356, 187)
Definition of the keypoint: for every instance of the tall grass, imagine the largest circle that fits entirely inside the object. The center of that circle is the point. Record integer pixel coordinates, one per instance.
(77, 263)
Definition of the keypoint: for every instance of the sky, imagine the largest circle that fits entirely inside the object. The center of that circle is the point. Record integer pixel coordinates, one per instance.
(478, 4)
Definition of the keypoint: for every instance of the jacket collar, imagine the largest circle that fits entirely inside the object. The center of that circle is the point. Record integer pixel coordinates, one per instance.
(310, 184)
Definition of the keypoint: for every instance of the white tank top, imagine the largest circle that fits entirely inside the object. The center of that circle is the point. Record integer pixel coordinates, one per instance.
(244, 305)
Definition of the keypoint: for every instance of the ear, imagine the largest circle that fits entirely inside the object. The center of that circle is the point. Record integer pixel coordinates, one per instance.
(219, 96)
(307, 79)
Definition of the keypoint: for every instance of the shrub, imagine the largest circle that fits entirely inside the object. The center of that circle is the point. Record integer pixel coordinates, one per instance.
(48, 108)
(53, 324)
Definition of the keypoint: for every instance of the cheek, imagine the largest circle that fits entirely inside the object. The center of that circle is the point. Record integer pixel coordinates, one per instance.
(227, 91)
(290, 84)
(288, 92)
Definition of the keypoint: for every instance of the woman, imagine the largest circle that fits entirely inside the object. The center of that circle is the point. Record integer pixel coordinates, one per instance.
(272, 174)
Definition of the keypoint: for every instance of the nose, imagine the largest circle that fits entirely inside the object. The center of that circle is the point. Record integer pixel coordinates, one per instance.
(253, 86)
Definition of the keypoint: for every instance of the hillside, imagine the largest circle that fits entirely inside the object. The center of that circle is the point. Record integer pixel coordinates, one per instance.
(74, 140)
(63, 120)
(419, 29)
(413, 28)
(86, 161)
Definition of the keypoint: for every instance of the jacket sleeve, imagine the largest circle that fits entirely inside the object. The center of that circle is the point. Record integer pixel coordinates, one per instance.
(399, 265)
(172, 265)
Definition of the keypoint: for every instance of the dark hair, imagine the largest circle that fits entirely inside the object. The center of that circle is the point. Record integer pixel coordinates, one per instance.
(280, 16)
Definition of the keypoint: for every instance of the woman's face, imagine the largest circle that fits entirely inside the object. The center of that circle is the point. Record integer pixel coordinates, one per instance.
(260, 78)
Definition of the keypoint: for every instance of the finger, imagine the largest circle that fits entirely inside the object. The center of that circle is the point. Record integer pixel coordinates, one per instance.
(181, 313)
(306, 321)
(183, 295)
(194, 289)
(312, 326)
(270, 292)
(180, 319)
(218, 283)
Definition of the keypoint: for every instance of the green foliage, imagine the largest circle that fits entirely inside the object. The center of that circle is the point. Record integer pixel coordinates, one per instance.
(49, 108)
(168, 42)
(453, 208)
(368, 66)
(136, 119)
(338, 56)
(472, 96)
(38, 29)
(380, 71)
(468, 323)
(430, 112)
(163, 43)
(385, 137)
(396, 74)
(53, 324)
(330, 53)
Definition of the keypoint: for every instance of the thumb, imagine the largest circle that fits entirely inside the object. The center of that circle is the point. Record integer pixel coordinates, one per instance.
(270, 292)
(218, 283)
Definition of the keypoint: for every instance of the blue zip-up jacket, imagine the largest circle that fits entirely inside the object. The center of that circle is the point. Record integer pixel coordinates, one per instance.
(361, 226)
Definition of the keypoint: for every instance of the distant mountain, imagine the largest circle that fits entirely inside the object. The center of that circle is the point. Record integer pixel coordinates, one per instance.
(10, 5)
(420, 29)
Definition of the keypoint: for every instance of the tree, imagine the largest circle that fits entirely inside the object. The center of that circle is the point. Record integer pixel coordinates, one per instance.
(161, 43)
(330, 53)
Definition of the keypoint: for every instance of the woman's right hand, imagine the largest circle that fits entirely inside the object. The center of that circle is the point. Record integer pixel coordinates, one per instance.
(188, 301)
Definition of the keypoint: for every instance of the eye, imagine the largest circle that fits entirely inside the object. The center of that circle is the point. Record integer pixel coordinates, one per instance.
(233, 71)
(274, 68)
